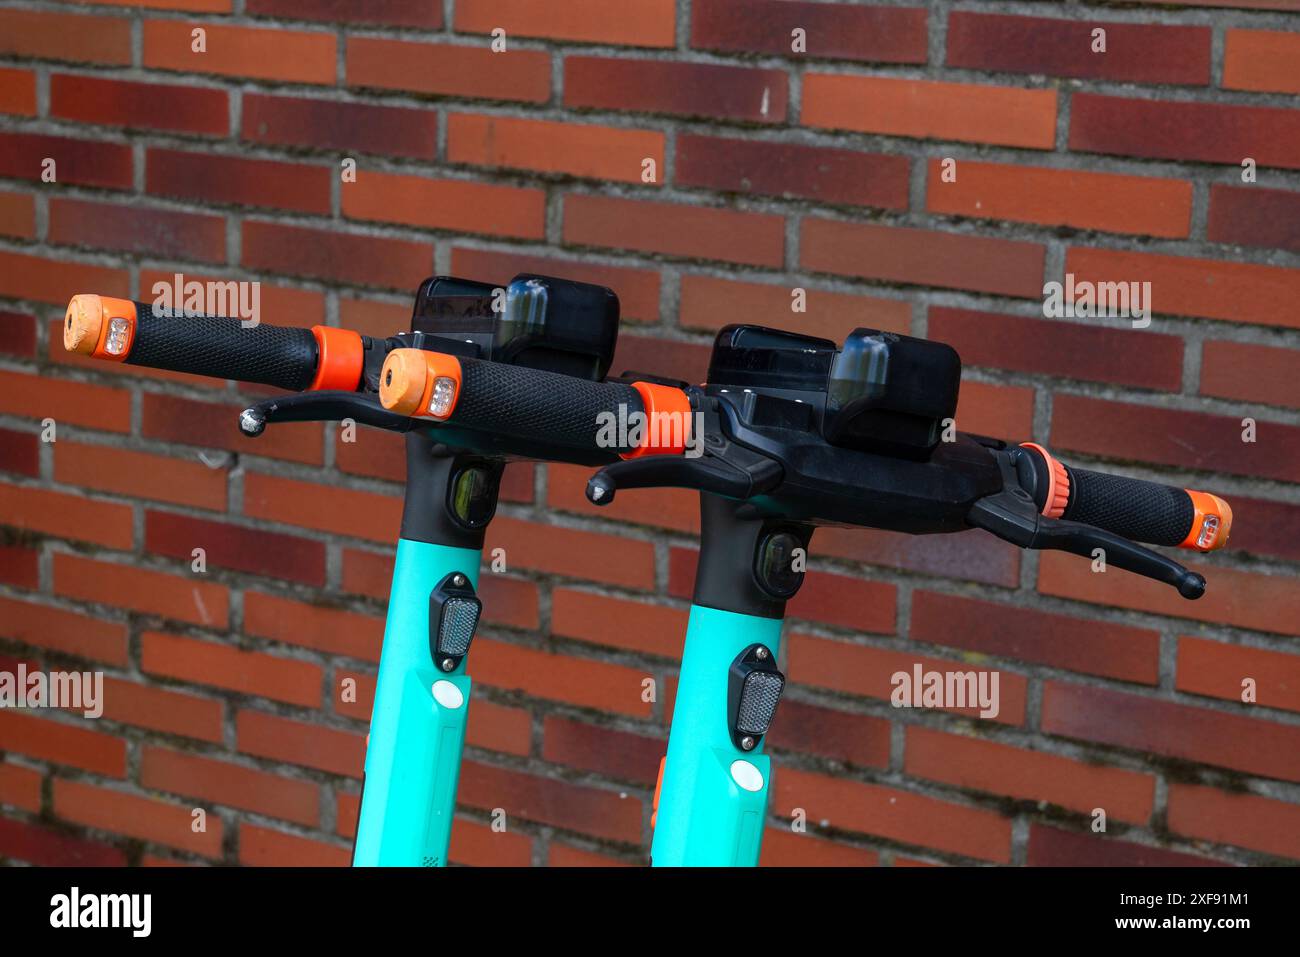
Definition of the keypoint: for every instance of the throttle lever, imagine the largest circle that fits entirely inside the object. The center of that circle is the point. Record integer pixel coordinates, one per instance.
(1012, 516)
(326, 406)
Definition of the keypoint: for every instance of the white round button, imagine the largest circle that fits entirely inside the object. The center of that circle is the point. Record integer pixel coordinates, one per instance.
(746, 775)
(447, 695)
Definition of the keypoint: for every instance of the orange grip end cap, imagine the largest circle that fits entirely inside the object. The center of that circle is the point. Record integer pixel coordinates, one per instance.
(99, 326)
(419, 383)
(340, 358)
(1058, 482)
(1211, 522)
(668, 420)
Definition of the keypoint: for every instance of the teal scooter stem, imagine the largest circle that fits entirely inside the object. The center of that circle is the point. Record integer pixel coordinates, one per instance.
(712, 799)
(417, 728)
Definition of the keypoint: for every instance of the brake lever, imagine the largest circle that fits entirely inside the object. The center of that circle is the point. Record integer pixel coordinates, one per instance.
(1012, 516)
(323, 406)
(723, 468)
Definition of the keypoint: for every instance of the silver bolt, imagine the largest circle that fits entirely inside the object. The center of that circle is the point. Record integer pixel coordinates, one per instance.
(448, 664)
(458, 580)
(747, 743)
(761, 653)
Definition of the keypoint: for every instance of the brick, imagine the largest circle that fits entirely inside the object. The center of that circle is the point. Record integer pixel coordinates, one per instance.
(323, 508)
(1242, 820)
(264, 847)
(709, 303)
(1135, 52)
(893, 814)
(447, 69)
(867, 670)
(135, 229)
(1189, 131)
(577, 149)
(832, 31)
(289, 56)
(620, 755)
(845, 600)
(67, 743)
(571, 807)
(678, 89)
(158, 709)
(20, 453)
(499, 728)
(1200, 735)
(792, 171)
(562, 855)
(371, 317)
(327, 124)
(923, 257)
(673, 358)
(332, 631)
(46, 847)
(1182, 286)
(1086, 646)
(573, 553)
(928, 109)
(1218, 670)
(642, 23)
(20, 565)
(329, 254)
(756, 239)
(106, 165)
(140, 475)
(398, 13)
(139, 589)
(160, 822)
(996, 410)
(1053, 847)
(218, 665)
(65, 515)
(557, 677)
(65, 36)
(1262, 60)
(296, 742)
(783, 848)
(196, 6)
(17, 333)
(858, 739)
(251, 550)
(17, 215)
(1107, 202)
(1190, 440)
(192, 775)
(140, 106)
(45, 280)
(63, 631)
(17, 92)
(1270, 529)
(216, 425)
(213, 178)
(641, 626)
(21, 788)
(969, 556)
(281, 305)
(673, 508)
(980, 765)
(1254, 216)
(453, 204)
(1065, 350)
(479, 846)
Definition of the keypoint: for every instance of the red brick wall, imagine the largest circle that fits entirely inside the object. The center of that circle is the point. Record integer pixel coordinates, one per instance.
(775, 170)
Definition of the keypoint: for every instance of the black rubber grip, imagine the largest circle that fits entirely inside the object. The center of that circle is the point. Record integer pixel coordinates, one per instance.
(531, 404)
(223, 348)
(1138, 510)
